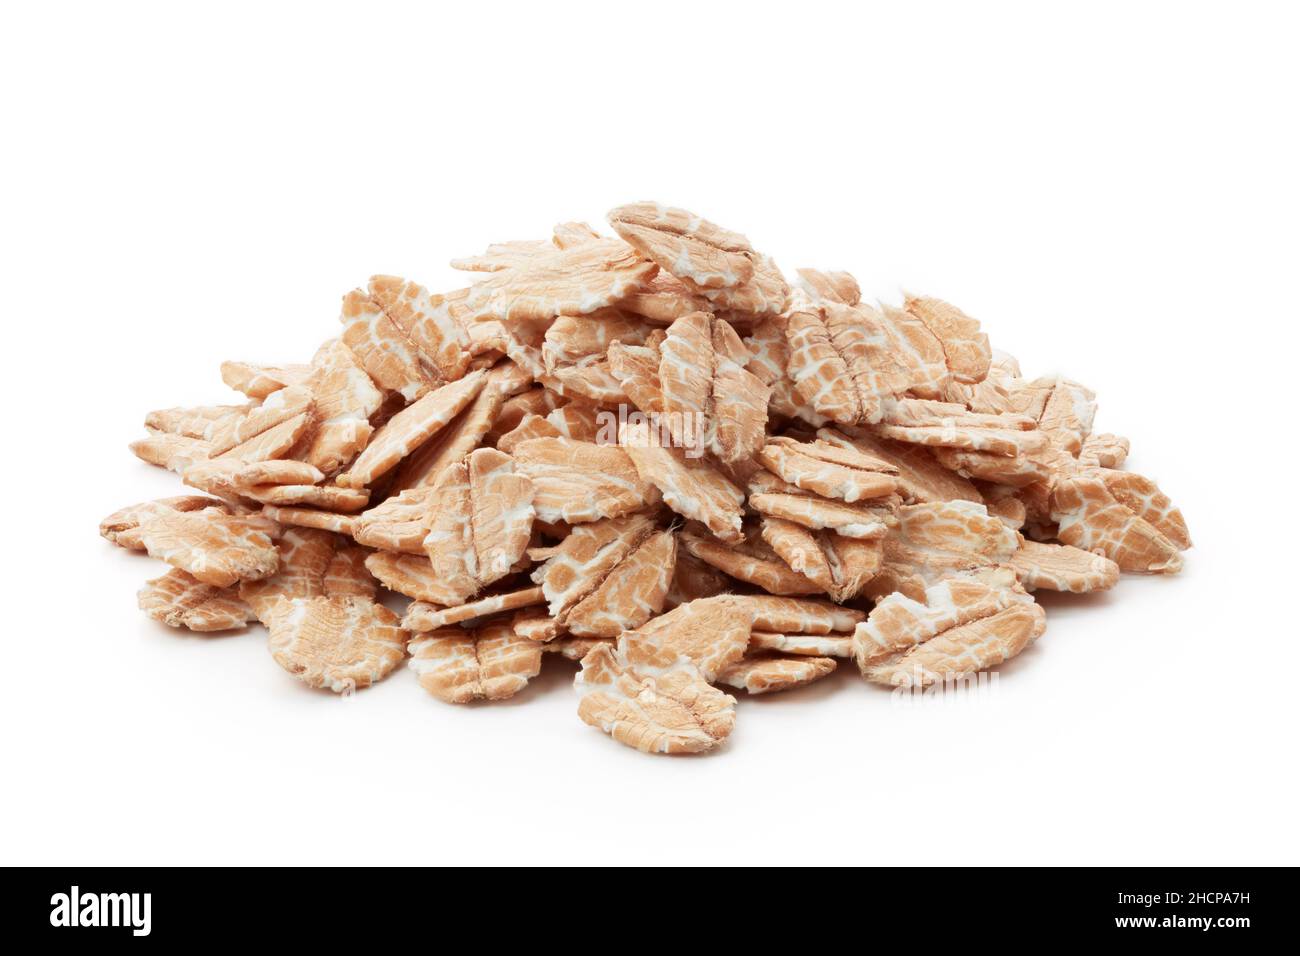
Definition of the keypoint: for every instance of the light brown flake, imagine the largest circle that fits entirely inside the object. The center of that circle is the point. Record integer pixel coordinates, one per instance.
(709, 632)
(690, 248)
(490, 663)
(344, 400)
(413, 575)
(173, 452)
(407, 340)
(575, 281)
(933, 541)
(274, 442)
(900, 622)
(833, 286)
(305, 556)
(829, 470)
(482, 517)
(347, 575)
(962, 651)
(1091, 515)
(691, 487)
(921, 479)
(311, 518)
(768, 673)
(336, 643)
(750, 560)
(398, 524)
(215, 547)
(581, 481)
(798, 615)
(179, 599)
(947, 425)
(665, 298)
(670, 710)
(279, 407)
(466, 431)
(1060, 567)
(803, 645)
(122, 527)
(410, 428)
(631, 594)
(965, 347)
(421, 616)
(198, 422)
(574, 568)
(838, 565)
(259, 381)
(1103, 451)
(816, 512)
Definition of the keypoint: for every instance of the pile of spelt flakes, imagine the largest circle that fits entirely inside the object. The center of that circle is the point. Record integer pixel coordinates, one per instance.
(651, 455)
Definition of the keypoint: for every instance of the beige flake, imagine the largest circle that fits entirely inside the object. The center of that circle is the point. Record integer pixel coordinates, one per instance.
(123, 527)
(574, 281)
(670, 710)
(179, 599)
(490, 663)
(768, 673)
(215, 547)
(410, 428)
(336, 643)
(581, 481)
(691, 487)
(421, 616)
(406, 339)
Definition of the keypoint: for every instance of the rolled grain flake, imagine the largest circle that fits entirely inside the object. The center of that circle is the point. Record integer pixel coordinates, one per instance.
(803, 645)
(421, 616)
(1089, 515)
(965, 347)
(829, 470)
(215, 547)
(414, 576)
(768, 673)
(410, 428)
(797, 615)
(173, 452)
(691, 487)
(305, 556)
(259, 381)
(899, 623)
(490, 663)
(406, 339)
(690, 248)
(921, 478)
(179, 599)
(670, 710)
(279, 407)
(751, 560)
(310, 518)
(631, 594)
(838, 565)
(398, 524)
(963, 650)
(710, 632)
(122, 527)
(574, 281)
(347, 575)
(1059, 567)
(577, 481)
(336, 643)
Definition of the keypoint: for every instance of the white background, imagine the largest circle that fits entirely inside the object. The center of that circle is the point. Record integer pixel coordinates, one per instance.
(1111, 189)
